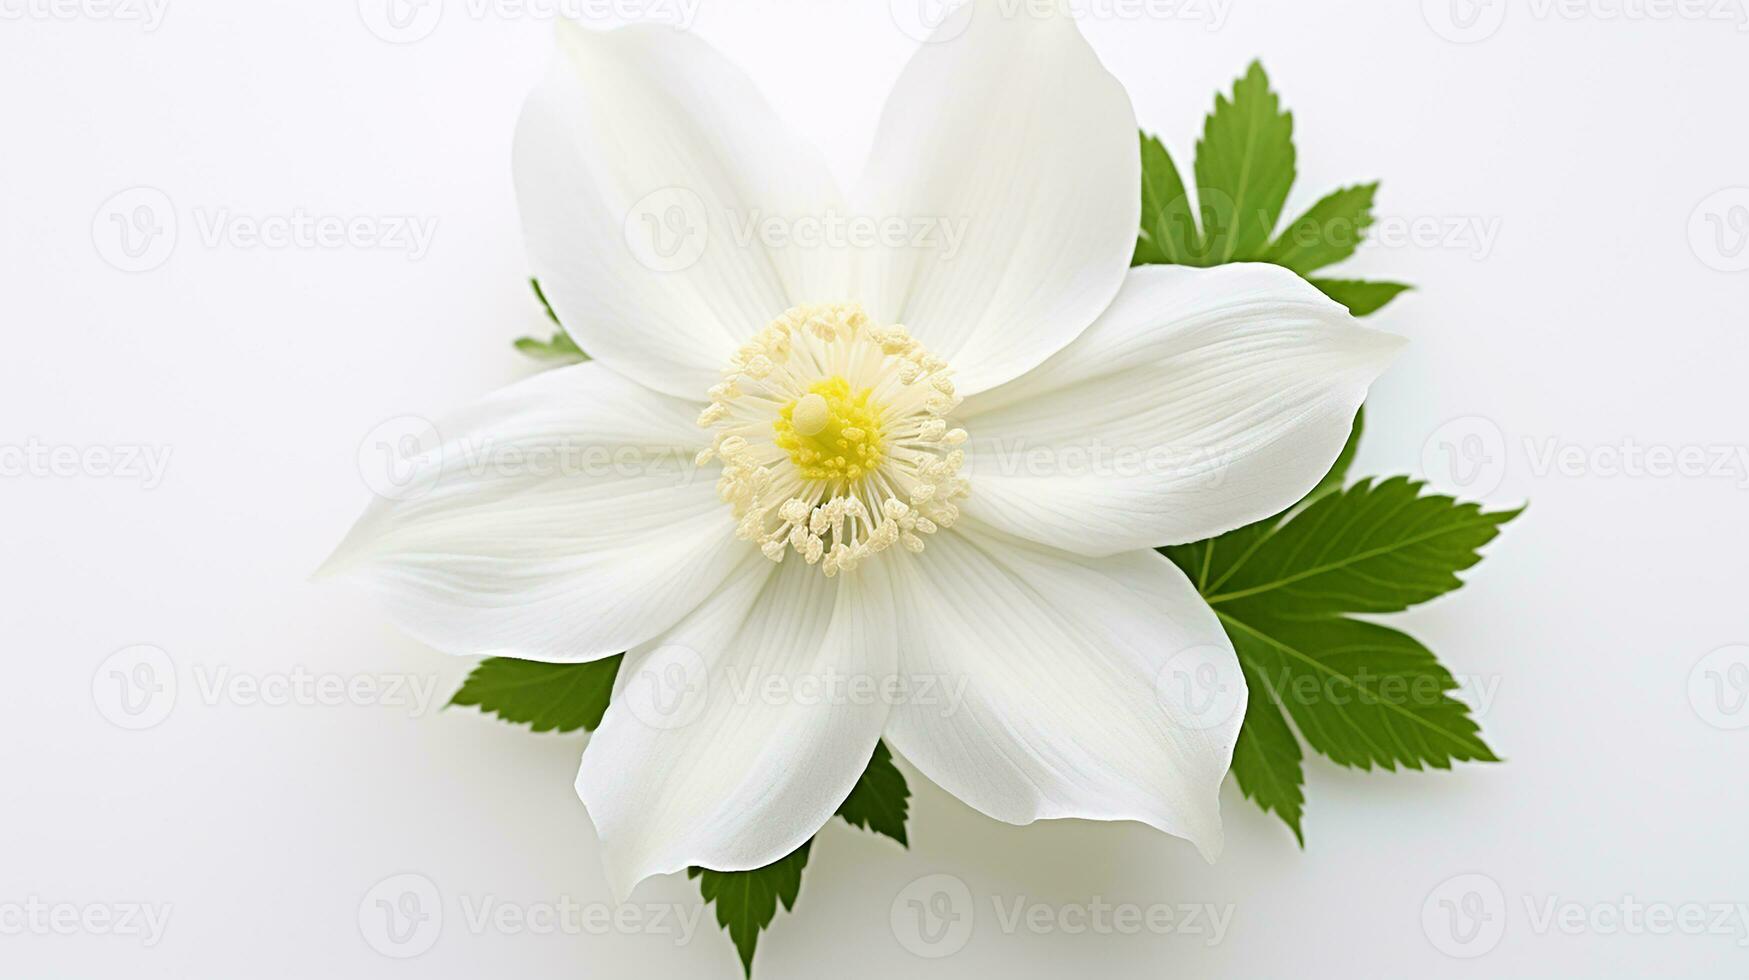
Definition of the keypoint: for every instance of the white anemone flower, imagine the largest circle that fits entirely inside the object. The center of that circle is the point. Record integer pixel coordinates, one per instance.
(826, 492)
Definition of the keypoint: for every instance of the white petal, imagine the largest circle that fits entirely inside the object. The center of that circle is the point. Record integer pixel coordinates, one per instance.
(1014, 136)
(560, 519)
(1075, 674)
(1201, 401)
(736, 735)
(639, 163)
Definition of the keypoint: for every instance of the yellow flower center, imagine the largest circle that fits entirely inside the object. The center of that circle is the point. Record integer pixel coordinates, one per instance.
(832, 433)
(834, 436)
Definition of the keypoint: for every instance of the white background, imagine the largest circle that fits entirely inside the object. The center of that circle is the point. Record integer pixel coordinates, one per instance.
(1570, 308)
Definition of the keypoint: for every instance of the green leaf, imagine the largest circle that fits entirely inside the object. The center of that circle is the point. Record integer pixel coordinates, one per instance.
(1326, 234)
(1359, 693)
(1244, 169)
(1266, 759)
(1377, 547)
(747, 901)
(1361, 298)
(880, 801)
(1169, 235)
(1362, 694)
(547, 697)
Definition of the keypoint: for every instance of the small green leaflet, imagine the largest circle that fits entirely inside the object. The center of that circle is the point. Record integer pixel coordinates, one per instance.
(1245, 167)
(747, 900)
(546, 697)
(1377, 547)
(1328, 233)
(1359, 693)
(880, 801)
(541, 295)
(1168, 235)
(1361, 298)
(561, 349)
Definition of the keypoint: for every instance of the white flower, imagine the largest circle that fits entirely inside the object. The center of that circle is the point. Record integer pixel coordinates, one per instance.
(939, 533)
